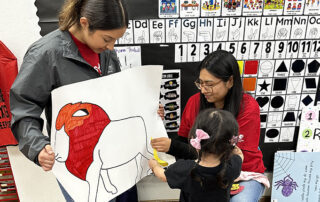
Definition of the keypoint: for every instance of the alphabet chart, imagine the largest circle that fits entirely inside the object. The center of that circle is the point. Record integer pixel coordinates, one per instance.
(276, 44)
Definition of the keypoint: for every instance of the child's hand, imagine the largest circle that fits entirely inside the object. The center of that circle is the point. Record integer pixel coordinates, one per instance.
(152, 163)
(161, 111)
(161, 144)
(238, 151)
(157, 170)
(46, 158)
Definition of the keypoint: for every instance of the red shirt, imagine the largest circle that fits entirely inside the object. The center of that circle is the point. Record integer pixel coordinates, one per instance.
(88, 54)
(249, 126)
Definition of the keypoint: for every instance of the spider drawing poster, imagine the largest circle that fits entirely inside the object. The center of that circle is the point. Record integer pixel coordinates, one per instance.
(296, 177)
(101, 136)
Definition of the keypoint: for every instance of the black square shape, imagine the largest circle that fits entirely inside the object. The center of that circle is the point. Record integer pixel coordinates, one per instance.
(311, 83)
(263, 118)
(280, 84)
(307, 100)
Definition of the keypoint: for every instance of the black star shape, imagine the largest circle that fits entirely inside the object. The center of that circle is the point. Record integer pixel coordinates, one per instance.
(264, 86)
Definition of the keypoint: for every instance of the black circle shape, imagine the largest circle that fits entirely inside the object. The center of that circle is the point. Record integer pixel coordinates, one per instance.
(277, 102)
(272, 133)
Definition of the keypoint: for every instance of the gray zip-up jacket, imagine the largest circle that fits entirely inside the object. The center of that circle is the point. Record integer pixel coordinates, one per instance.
(50, 62)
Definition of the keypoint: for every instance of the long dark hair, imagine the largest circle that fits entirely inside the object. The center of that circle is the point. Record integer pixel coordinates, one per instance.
(221, 126)
(101, 14)
(223, 65)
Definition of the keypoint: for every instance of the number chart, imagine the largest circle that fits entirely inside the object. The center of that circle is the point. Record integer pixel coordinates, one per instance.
(276, 44)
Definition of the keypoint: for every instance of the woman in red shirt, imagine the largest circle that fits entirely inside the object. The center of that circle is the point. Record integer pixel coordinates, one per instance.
(220, 87)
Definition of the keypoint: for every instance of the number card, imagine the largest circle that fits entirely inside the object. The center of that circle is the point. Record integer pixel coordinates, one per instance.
(181, 51)
(218, 46)
(267, 50)
(292, 49)
(280, 50)
(205, 49)
(305, 49)
(193, 54)
(243, 51)
(232, 47)
(309, 131)
(255, 49)
(315, 49)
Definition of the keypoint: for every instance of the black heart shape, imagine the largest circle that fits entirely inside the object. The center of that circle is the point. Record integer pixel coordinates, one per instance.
(262, 101)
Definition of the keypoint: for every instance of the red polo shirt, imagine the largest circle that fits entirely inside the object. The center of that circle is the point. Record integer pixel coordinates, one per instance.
(249, 126)
(88, 55)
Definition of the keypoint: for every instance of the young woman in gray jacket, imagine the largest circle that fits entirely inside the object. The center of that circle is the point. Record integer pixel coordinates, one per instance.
(81, 49)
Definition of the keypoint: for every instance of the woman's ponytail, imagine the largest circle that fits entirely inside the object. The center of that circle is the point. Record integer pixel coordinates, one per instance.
(70, 14)
(101, 14)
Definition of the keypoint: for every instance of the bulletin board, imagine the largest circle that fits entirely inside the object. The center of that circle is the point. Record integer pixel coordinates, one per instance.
(276, 43)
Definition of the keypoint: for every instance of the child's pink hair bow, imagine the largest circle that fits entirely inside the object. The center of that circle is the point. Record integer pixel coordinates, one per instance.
(200, 135)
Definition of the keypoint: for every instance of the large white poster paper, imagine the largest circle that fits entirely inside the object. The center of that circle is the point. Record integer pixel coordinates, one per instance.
(101, 132)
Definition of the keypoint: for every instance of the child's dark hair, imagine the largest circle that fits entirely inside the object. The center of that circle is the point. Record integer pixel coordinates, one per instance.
(101, 14)
(221, 126)
(222, 64)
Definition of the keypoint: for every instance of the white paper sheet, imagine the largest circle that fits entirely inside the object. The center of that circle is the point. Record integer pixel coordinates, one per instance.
(130, 99)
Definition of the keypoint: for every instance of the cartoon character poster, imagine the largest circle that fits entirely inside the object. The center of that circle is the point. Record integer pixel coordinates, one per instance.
(210, 8)
(273, 7)
(101, 132)
(168, 8)
(312, 7)
(252, 7)
(296, 176)
(231, 7)
(292, 7)
(190, 8)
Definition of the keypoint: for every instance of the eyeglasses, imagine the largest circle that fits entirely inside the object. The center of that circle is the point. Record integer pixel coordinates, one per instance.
(207, 85)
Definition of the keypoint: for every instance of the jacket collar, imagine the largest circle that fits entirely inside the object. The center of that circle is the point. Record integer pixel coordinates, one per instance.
(70, 49)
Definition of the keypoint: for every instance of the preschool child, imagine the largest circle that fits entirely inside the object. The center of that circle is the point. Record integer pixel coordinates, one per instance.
(214, 135)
